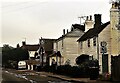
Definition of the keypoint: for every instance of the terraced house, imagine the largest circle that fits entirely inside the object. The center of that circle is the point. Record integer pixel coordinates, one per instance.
(103, 39)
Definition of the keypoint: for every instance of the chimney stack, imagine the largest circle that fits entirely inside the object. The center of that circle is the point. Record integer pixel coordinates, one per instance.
(23, 43)
(67, 30)
(87, 18)
(90, 17)
(63, 31)
(89, 23)
(97, 18)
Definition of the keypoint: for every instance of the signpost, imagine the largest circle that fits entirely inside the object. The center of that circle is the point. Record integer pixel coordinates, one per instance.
(104, 57)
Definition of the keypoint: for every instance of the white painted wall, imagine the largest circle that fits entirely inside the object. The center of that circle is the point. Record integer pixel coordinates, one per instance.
(31, 53)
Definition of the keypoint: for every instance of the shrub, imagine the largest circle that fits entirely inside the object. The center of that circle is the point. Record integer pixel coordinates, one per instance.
(73, 71)
(83, 70)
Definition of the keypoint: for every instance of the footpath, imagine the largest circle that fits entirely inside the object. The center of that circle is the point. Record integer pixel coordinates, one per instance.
(62, 77)
(76, 80)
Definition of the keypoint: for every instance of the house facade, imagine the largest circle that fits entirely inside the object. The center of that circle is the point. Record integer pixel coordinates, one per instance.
(102, 41)
(32, 50)
(68, 46)
(90, 43)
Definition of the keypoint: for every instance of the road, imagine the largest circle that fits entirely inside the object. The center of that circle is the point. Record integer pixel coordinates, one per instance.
(25, 76)
(13, 76)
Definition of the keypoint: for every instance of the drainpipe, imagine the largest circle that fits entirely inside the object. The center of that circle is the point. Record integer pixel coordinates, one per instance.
(97, 48)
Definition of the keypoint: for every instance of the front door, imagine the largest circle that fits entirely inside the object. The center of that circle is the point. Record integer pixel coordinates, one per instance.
(104, 63)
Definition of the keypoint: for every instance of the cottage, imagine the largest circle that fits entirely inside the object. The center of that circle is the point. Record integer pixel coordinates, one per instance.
(33, 53)
(90, 43)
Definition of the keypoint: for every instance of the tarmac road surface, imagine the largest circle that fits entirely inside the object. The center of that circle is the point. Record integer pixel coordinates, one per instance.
(14, 76)
(25, 76)
(10, 78)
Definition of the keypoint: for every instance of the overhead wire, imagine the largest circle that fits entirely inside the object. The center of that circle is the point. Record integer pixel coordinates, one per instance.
(14, 4)
(21, 8)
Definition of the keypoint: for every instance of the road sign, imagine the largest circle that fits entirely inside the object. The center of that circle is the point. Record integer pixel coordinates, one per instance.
(103, 49)
(103, 43)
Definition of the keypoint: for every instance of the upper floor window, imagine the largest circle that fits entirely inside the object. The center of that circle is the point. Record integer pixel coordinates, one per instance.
(81, 45)
(94, 41)
(88, 42)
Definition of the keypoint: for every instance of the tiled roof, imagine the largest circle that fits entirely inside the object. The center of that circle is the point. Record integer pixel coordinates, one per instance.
(31, 47)
(93, 32)
(78, 26)
(76, 32)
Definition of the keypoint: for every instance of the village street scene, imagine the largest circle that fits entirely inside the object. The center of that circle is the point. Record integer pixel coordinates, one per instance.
(87, 52)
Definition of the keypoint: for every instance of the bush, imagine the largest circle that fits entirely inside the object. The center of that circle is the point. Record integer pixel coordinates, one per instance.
(63, 69)
(73, 71)
(82, 70)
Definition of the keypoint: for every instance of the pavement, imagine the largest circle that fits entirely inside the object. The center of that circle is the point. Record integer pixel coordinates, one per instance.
(78, 80)
(62, 77)
(66, 78)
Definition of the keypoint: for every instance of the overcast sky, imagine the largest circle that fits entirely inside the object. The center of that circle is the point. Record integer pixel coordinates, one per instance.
(32, 19)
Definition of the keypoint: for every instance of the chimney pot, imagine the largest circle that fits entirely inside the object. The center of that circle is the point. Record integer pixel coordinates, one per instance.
(67, 30)
(63, 31)
(87, 18)
(90, 17)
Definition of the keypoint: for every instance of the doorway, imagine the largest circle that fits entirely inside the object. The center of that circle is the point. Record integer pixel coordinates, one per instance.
(104, 63)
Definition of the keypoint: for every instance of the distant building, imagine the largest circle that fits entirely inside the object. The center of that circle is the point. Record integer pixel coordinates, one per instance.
(32, 49)
(35, 56)
(67, 45)
(48, 45)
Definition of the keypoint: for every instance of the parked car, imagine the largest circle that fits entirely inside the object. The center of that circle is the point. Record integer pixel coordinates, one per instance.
(22, 65)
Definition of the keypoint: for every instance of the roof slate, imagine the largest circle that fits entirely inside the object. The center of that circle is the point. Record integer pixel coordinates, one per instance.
(76, 32)
(31, 47)
(93, 32)
(78, 26)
